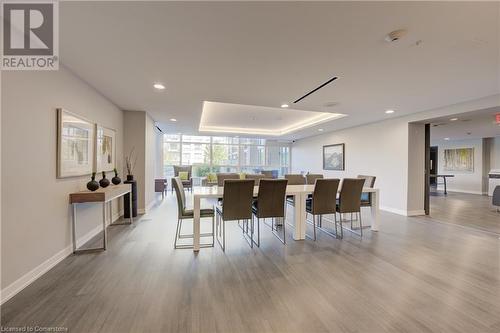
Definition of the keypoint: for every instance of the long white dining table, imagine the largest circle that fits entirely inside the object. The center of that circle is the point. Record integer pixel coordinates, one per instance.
(300, 194)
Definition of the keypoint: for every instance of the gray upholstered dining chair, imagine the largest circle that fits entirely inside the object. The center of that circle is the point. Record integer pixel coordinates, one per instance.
(323, 201)
(366, 198)
(183, 213)
(268, 173)
(311, 178)
(236, 205)
(270, 203)
(186, 183)
(495, 200)
(350, 201)
(255, 177)
(160, 186)
(294, 179)
(221, 177)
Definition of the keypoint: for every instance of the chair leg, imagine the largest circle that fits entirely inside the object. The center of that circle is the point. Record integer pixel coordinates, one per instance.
(258, 232)
(360, 224)
(284, 233)
(335, 218)
(341, 227)
(251, 233)
(314, 226)
(223, 235)
(213, 230)
(176, 233)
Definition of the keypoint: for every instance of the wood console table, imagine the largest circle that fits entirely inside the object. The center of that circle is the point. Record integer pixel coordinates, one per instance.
(102, 196)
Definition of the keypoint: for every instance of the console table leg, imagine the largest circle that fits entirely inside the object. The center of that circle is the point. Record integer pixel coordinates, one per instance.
(74, 227)
(104, 225)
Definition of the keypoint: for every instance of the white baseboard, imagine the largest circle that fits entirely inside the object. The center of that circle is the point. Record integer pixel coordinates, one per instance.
(403, 212)
(393, 210)
(30, 277)
(463, 191)
(415, 212)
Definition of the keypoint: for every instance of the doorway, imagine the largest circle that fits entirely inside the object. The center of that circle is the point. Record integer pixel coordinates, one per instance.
(433, 164)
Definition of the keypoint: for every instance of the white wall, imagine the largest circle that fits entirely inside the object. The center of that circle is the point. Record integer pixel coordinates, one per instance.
(392, 150)
(464, 181)
(36, 224)
(495, 153)
(379, 149)
(135, 140)
(416, 169)
(151, 158)
(142, 136)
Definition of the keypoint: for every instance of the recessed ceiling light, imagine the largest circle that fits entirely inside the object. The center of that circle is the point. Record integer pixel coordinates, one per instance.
(389, 111)
(453, 119)
(284, 105)
(159, 86)
(173, 119)
(320, 129)
(447, 139)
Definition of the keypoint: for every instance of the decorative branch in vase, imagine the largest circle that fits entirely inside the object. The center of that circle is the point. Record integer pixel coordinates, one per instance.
(130, 163)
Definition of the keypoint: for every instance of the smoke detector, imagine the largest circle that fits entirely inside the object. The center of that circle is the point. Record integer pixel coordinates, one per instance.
(395, 35)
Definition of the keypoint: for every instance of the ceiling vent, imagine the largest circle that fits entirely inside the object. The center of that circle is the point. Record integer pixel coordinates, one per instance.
(395, 35)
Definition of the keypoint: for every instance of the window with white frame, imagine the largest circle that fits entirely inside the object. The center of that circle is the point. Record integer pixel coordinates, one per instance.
(224, 154)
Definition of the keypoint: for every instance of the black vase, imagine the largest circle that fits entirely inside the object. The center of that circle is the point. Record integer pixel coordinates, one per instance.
(116, 180)
(104, 182)
(130, 177)
(93, 185)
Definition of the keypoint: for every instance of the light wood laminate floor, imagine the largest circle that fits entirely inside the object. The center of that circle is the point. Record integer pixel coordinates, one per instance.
(467, 210)
(414, 275)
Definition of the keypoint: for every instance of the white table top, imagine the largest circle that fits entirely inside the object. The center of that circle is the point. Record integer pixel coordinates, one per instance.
(218, 191)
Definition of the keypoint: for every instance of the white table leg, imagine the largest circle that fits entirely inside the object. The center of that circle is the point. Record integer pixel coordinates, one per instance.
(300, 216)
(375, 209)
(196, 224)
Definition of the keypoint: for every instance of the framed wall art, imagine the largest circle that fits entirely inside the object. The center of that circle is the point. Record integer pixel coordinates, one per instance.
(459, 159)
(105, 149)
(333, 157)
(75, 145)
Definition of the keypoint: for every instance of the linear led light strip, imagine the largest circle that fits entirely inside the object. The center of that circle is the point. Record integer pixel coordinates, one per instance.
(271, 132)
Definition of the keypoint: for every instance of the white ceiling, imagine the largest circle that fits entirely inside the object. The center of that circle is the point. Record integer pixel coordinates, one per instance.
(258, 120)
(470, 125)
(266, 54)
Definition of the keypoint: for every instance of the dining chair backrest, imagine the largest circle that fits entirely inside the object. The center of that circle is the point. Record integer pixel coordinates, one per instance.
(179, 168)
(496, 196)
(271, 198)
(267, 173)
(181, 195)
(221, 177)
(369, 180)
(324, 197)
(237, 199)
(350, 195)
(255, 177)
(311, 178)
(295, 179)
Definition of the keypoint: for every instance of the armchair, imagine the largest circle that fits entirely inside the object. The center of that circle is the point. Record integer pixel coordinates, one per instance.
(186, 183)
